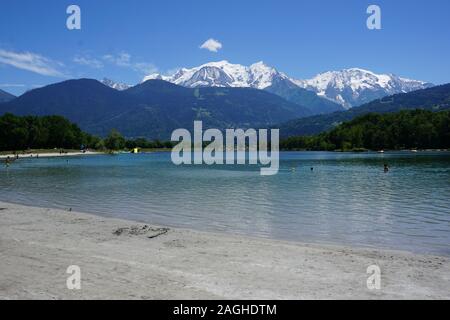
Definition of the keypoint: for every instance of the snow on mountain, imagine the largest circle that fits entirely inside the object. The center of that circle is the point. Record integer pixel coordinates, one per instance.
(224, 74)
(349, 87)
(115, 85)
(353, 87)
(257, 76)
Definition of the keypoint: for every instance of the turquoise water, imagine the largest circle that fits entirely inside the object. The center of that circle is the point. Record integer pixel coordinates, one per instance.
(347, 199)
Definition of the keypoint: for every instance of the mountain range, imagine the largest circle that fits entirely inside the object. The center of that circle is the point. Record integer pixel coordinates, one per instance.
(341, 89)
(5, 96)
(434, 99)
(224, 95)
(354, 87)
(154, 108)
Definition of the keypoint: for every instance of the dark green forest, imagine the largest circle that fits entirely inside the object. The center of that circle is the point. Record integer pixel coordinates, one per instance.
(419, 129)
(50, 132)
(410, 129)
(433, 99)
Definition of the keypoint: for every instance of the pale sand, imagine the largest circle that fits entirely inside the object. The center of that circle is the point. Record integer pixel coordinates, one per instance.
(37, 245)
(48, 154)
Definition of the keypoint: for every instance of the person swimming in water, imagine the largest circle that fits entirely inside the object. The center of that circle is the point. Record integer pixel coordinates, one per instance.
(7, 161)
(386, 168)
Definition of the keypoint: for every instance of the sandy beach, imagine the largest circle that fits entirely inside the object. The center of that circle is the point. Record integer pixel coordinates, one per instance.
(125, 260)
(48, 154)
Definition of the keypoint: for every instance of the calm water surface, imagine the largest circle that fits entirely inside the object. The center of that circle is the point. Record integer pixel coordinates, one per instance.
(347, 199)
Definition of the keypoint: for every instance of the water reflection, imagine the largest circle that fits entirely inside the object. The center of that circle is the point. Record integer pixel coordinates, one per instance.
(347, 198)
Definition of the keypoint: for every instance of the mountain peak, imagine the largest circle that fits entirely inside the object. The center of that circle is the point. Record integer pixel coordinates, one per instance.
(348, 87)
(259, 64)
(356, 86)
(355, 69)
(216, 63)
(224, 74)
(115, 85)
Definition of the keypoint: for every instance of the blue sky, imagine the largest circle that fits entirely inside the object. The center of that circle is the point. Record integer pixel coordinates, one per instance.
(125, 40)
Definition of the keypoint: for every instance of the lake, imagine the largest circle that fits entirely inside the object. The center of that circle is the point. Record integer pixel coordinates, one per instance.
(347, 198)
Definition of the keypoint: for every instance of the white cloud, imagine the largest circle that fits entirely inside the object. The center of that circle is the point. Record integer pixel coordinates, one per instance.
(88, 61)
(122, 59)
(31, 62)
(12, 85)
(211, 45)
(125, 60)
(145, 68)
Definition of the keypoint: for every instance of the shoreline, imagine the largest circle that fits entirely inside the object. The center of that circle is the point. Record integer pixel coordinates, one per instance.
(121, 259)
(48, 154)
(228, 233)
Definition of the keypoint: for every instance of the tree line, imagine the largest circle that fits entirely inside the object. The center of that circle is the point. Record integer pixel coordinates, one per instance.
(31, 132)
(412, 129)
(50, 132)
(419, 129)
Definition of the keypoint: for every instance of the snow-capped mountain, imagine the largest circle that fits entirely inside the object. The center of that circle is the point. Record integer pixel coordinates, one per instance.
(224, 74)
(257, 76)
(115, 85)
(353, 87)
(348, 88)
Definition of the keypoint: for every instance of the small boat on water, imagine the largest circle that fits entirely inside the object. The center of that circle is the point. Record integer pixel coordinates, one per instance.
(381, 151)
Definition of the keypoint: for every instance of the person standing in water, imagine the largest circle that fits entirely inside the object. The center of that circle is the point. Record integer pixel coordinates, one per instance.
(386, 168)
(7, 161)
